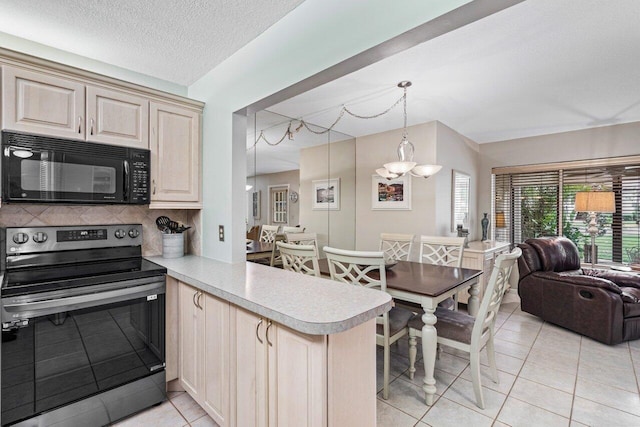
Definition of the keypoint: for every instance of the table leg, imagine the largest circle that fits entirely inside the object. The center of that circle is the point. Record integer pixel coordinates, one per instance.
(474, 302)
(429, 346)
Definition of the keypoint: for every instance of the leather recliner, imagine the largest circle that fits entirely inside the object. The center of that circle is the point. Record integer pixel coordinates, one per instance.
(598, 303)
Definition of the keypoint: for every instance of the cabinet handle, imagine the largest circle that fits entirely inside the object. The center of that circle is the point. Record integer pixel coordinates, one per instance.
(198, 300)
(153, 183)
(194, 298)
(266, 334)
(91, 128)
(79, 124)
(257, 329)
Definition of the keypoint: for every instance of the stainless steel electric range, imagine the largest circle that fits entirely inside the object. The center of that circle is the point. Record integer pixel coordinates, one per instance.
(82, 325)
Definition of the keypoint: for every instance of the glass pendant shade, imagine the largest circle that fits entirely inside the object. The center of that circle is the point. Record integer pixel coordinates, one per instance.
(425, 171)
(399, 168)
(383, 172)
(405, 163)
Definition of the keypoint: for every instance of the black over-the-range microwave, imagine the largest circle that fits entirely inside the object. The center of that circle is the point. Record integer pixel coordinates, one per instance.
(40, 169)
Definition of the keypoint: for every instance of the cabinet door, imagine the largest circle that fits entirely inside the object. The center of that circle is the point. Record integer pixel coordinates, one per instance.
(297, 378)
(250, 370)
(215, 391)
(115, 117)
(190, 337)
(175, 154)
(41, 103)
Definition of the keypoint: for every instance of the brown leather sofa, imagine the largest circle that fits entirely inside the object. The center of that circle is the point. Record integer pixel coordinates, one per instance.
(600, 304)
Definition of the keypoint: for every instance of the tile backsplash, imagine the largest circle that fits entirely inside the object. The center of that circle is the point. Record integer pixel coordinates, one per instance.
(28, 215)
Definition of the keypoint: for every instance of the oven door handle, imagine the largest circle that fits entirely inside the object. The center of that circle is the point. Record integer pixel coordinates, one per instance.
(31, 309)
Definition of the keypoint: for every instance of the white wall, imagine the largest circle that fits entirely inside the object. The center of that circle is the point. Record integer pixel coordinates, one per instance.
(594, 143)
(262, 184)
(455, 151)
(336, 160)
(314, 36)
(372, 151)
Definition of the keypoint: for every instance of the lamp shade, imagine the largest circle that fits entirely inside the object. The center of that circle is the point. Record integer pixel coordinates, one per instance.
(595, 201)
(399, 168)
(500, 220)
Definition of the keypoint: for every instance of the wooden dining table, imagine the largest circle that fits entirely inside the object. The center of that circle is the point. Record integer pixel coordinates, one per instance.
(257, 249)
(427, 285)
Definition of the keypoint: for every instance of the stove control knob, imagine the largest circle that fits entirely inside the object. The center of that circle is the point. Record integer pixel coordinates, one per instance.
(133, 233)
(40, 237)
(120, 233)
(21, 238)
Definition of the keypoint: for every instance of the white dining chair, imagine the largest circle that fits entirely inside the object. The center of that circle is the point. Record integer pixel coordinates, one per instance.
(287, 229)
(396, 246)
(303, 239)
(299, 258)
(443, 250)
(353, 267)
(276, 259)
(464, 332)
(268, 233)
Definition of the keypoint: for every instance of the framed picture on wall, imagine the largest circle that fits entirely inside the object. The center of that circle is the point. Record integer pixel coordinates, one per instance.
(391, 193)
(326, 194)
(256, 204)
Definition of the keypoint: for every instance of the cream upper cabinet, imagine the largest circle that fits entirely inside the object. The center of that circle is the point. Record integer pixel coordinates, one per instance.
(175, 155)
(203, 365)
(42, 103)
(115, 117)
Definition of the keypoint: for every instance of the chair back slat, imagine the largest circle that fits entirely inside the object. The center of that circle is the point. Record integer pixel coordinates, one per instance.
(276, 259)
(268, 233)
(440, 250)
(303, 239)
(287, 229)
(299, 258)
(494, 292)
(396, 246)
(353, 267)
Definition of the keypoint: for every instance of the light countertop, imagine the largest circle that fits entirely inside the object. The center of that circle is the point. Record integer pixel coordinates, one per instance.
(307, 304)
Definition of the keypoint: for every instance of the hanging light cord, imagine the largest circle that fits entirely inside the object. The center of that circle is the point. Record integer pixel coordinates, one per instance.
(289, 133)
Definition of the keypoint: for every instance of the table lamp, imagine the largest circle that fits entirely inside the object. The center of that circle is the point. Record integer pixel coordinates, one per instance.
(595, 202)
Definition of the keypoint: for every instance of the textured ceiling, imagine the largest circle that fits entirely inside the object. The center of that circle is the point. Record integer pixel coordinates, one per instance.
(539, 67)
(175, 40)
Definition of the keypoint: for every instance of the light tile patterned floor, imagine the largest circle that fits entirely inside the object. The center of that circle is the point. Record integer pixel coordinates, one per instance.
(548, 377)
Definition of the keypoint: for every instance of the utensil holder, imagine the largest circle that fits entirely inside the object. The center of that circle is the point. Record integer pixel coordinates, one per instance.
(172, 245)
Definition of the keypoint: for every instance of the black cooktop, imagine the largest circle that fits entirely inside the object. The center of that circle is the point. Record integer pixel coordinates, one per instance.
(72, 275)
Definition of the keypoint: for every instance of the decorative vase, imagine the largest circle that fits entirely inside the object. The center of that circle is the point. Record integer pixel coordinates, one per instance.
(485, 225)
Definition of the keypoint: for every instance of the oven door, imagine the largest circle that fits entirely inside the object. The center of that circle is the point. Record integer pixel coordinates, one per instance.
(54, 175)
(56, 351)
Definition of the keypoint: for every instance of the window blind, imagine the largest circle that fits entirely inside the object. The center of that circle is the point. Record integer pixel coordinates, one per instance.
(541, 203)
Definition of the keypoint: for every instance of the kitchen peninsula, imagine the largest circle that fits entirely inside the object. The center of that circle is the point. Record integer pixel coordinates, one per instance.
(255, 345)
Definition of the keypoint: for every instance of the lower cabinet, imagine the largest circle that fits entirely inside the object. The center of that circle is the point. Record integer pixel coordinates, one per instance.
(280, 374)
(481, 255)
(203, 366)
(247, 371)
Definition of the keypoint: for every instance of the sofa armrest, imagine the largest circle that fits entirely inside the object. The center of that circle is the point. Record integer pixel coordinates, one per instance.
(576, 278)
(620, 278)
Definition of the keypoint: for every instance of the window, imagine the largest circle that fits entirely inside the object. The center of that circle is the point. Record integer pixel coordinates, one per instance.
(535, 201)
(279, 197)
(460, 183)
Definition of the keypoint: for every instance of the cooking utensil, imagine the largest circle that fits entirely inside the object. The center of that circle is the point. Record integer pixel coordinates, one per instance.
(163, 223)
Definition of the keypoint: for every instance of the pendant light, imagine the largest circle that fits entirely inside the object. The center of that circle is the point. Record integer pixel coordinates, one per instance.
(405, 163)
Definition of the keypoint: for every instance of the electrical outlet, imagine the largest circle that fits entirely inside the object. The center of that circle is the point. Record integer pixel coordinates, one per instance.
(221, 233)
